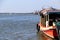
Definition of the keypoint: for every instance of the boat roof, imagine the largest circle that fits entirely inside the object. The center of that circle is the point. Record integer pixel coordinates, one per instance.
(46, 11)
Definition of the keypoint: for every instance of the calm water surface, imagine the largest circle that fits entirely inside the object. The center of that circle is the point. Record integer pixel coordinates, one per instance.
(19, 27)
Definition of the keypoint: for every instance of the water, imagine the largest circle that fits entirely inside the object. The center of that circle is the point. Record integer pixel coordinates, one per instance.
(18, 26)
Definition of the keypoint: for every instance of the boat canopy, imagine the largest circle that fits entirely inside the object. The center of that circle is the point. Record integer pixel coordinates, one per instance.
(49, 11)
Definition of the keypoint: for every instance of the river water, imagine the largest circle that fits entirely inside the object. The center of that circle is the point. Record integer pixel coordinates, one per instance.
(18, 26)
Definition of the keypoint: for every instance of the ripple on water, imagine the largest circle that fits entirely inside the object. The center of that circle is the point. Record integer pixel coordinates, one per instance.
(19, 28)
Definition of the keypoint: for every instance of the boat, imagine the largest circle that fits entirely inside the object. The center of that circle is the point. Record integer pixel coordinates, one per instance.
(49, 22)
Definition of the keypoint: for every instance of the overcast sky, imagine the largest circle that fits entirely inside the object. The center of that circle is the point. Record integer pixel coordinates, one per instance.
(24, 6)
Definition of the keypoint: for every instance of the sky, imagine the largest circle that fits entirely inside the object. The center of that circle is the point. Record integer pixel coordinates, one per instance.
(26, 6)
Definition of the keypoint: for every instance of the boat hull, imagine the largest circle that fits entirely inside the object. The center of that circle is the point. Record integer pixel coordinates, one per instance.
(51, 33)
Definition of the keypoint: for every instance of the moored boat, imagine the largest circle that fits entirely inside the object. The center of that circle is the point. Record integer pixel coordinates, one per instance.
(49, 21)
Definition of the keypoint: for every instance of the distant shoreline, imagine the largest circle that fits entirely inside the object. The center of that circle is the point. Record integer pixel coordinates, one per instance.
(15, 14)
(18, 13)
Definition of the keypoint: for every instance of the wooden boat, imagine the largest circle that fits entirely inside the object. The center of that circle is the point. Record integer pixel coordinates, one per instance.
(48, 24)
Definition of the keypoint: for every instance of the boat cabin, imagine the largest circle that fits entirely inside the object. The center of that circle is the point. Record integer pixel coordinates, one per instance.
(49, 17)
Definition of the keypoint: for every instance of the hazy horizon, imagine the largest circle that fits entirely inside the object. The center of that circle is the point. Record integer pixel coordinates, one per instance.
(26, 6)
